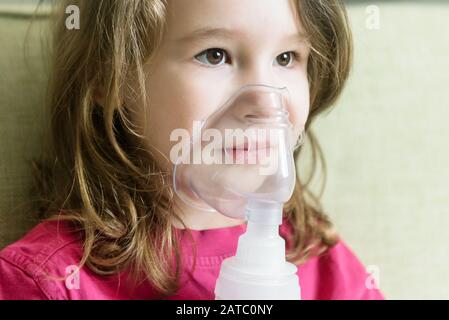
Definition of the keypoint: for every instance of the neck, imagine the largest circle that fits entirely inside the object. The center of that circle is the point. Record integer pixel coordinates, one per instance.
(196, 219)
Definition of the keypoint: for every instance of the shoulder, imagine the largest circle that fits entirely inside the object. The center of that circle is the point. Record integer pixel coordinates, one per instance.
(46, 250)
(338, 274)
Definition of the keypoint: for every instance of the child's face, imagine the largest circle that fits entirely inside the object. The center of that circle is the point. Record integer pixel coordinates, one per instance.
(212, 48)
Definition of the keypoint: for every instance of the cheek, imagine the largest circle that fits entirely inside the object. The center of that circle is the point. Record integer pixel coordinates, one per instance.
(299, 103)
(175, 101)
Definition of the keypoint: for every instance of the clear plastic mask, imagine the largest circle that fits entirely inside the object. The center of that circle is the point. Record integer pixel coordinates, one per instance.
(242, 153)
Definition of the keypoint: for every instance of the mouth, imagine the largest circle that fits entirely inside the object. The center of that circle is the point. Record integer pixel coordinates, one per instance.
(248, 153)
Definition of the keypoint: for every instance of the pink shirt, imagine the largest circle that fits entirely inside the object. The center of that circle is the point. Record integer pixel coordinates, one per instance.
(50, 249)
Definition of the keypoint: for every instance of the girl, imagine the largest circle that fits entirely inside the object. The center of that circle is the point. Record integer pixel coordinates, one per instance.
(132, 73)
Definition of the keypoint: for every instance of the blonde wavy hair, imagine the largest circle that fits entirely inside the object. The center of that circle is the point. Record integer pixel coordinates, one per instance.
(112, 191)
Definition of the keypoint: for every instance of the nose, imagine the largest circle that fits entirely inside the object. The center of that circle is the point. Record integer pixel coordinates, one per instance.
(262, 95)
(260, 104)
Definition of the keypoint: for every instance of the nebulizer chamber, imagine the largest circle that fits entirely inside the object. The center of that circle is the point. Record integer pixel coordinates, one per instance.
(241, 164)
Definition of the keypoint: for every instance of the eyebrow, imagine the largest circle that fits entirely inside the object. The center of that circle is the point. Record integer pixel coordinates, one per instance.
(208, 32)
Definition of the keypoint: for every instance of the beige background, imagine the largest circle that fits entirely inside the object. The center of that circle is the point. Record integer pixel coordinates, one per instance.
(387, 146)
(386, 142)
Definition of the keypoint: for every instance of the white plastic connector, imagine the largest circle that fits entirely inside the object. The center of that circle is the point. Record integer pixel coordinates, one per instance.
(259, 270)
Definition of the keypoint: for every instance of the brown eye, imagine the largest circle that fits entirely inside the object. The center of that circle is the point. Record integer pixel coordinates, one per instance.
(285, 59)
(213, 57)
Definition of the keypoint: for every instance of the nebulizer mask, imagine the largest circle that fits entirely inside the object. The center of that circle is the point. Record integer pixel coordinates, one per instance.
(240, 163)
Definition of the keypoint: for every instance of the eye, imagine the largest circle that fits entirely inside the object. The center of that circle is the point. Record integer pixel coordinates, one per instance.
(213, 57)
(285, 59)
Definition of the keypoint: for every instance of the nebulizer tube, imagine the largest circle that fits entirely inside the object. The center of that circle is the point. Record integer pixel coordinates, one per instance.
(247, 172)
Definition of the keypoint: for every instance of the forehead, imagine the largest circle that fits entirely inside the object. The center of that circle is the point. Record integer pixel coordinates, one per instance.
(252, 18)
